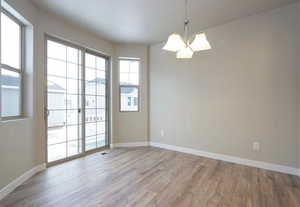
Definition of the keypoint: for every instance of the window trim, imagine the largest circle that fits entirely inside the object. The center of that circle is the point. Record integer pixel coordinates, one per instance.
(20, 71)
(138, 87)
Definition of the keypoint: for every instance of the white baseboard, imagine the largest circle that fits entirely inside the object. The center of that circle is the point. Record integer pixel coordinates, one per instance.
(20, 180)
(130, 144)
(232, 159)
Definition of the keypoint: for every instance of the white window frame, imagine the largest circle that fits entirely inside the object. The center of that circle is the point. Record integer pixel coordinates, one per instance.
(10, 68)
(129, 85)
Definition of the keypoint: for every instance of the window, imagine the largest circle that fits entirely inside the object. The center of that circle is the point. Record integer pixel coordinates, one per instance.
(11, 66)
(129, 84)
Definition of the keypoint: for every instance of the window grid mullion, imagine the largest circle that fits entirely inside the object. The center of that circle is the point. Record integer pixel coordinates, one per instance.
(7, 67)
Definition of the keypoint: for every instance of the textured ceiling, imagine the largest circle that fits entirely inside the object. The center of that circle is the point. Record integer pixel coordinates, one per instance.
(151, 21)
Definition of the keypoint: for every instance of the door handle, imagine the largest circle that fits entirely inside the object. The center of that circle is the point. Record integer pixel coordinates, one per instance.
(47, 113)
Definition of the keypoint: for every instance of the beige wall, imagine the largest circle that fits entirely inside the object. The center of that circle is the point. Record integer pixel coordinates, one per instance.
(131, 126)
(18, 141)
(243, 90)
(23, 142)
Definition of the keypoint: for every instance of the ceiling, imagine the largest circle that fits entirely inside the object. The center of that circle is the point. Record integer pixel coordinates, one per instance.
(151, 21)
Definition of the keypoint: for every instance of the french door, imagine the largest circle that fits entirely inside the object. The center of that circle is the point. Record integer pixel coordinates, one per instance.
(76, 100)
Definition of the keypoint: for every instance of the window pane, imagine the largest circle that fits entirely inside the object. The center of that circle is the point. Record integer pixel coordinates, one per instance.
(90, 143)
(90, 115)
(56, 50)
(101, 102)
(56, 67)
(90, 129)
(101, 142)
(129, 72)
(74, 148)
(134, 66)
(73, 132)
(10, 42)
(90, 61)
(72, 102)
(124, 66)
(90, 87)
(100, 114)
(73, 71)
(56, 84)
(134, 78)
(101, 87)
(57, 135)
(73, 117)
(72, 55)
(90, 102)
(100, 63)
(56, 100)
(90, 74)
(129, 99)
(124, 78)
(72, 86)
(11, 92)
(57, 118)
(101, 127)
(100, 75)
(57, 152)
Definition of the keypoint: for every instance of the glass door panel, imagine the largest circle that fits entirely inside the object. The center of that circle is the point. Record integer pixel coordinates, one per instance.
(77, 118)
(95, 102)
(63, 101)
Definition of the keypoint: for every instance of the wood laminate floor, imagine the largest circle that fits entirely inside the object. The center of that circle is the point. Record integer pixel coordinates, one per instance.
(151, 177)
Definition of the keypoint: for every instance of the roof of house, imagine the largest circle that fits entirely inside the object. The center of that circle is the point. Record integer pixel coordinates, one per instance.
(54, 86)
(103, 81)
(97, 80)
(10, 80)
(127, 90)
(14, 81)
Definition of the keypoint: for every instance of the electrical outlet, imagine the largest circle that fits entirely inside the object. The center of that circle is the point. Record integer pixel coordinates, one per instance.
(256, 146)
(162, 133)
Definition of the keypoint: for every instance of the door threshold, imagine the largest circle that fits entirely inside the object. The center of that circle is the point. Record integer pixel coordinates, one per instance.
(58, 162)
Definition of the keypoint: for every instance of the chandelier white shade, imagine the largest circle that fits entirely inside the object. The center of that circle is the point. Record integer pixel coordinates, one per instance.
(182, 46)
(200, 43)
(185, 53)
(174, 43)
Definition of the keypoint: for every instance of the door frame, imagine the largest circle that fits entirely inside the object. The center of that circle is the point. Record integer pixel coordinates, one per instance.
(84, 50)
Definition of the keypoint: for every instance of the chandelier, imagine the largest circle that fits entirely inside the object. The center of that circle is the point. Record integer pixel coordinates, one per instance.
(182, 46)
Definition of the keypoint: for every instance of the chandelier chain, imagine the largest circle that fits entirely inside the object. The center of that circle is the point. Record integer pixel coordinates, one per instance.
(186, 23)
(186, 10)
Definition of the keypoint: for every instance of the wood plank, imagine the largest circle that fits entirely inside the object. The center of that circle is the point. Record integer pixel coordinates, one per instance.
(148, 176)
